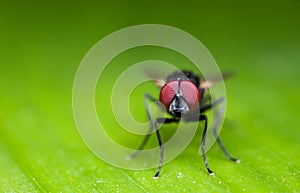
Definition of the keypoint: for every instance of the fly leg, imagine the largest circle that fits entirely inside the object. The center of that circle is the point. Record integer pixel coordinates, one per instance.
(202, 118)
(205, 107)
(161, 145)
(147, 97)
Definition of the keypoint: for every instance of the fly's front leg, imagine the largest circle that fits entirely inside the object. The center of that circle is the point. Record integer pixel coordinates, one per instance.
(206, 107)
(202, 118)
(147, 98)
(160, 142)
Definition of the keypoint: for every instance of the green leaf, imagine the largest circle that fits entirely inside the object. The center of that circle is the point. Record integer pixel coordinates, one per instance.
(42, 46)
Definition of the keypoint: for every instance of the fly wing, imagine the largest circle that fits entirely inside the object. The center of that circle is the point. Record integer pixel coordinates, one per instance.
(157, 77)
(207, 84)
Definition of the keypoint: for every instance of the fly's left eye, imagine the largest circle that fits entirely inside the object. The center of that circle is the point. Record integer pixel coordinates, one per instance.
(191, 94)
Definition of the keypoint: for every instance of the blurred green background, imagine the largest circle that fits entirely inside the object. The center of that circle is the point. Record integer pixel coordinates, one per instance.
(43, 43)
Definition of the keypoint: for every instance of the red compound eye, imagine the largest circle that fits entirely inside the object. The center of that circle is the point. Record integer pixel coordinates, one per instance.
(189, 90)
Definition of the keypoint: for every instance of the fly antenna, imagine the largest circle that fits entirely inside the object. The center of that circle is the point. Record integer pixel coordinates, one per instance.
(178, 92)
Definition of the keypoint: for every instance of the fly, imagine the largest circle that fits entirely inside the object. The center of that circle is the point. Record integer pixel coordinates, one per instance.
(183, 95)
